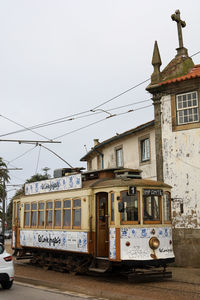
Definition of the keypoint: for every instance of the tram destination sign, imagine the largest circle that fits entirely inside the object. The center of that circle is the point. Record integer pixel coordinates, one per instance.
(54, 185)
(153, 192)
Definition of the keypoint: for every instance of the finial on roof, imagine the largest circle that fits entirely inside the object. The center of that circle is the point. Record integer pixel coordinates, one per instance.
(177, 18)
(156, 62)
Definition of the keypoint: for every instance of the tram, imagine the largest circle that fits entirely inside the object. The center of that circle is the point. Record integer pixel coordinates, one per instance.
(95, 221)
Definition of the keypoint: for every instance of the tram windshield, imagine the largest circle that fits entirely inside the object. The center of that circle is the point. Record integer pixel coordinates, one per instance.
(130, 207)
(152, 208)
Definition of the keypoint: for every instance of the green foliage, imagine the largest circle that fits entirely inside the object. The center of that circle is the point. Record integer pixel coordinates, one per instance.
(4, 177)
(34, 178)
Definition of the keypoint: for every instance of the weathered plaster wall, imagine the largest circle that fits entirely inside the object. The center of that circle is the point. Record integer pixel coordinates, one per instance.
(181, 164)
(131, 155)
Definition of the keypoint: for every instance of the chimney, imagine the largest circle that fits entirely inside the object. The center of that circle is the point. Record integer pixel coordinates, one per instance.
(96, 142)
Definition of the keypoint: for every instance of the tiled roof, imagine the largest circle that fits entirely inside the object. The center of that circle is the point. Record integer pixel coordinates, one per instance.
(194, 73)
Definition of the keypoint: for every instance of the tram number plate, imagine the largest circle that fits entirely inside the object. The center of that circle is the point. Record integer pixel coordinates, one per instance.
(153, 192)
(131, 190)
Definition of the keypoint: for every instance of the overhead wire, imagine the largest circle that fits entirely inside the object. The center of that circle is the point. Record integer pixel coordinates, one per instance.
(26, 128)
(101, 120)
(79, 117)
(22, 154)
(53, 122)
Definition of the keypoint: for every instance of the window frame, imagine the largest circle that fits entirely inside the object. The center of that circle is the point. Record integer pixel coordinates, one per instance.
(141, 139)
(41, 210)
(100, 162)
(119, 148)
(46, 211)
(70, 209)
(34, 211)
(160, 206)
(138, 201)
(178, 110)
(73, 213)
(27, 211)
(186, 126)
(54, 213)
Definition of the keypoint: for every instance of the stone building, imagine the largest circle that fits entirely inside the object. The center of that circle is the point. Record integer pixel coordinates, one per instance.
(176, 99)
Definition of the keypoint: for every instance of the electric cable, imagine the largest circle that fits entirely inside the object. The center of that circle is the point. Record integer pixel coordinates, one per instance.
(69, 118)
(26, 128)
(22, 154)
(96, 122)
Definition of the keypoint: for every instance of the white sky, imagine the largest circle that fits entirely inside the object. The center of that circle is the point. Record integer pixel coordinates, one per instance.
(61, 57)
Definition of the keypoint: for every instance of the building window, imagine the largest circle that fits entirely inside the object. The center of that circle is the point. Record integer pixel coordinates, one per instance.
(119, 157)
(144, 150)
(89, 165)
(67, 213)
(152, 209)
(130, 213)
(77, 213)
(57, 214)
(112, 219)
(187, 108)
(167, 207)
(41, 214)
(27, 215)
(49, 214)
(100, 162)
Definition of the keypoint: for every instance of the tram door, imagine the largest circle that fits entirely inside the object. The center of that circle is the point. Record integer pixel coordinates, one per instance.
(16, 242)
(102, 237)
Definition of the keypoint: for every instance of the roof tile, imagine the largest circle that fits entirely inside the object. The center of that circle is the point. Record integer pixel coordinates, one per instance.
(194, 73)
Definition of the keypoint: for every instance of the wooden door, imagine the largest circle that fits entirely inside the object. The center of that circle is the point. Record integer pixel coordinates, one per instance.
(17, 225)
(102, 237)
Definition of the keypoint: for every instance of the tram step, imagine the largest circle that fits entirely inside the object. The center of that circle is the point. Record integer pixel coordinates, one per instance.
(24, 257)
(98, 270)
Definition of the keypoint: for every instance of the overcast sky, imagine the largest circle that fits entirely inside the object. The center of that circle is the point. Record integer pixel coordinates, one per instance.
(63, 57)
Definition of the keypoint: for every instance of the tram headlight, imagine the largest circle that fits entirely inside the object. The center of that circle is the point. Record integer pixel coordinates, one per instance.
(154, 243)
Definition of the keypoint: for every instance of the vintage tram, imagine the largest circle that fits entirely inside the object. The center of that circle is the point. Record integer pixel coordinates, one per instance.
(96, 221)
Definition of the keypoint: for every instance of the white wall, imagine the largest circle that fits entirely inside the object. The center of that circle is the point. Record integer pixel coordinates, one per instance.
(130, 145)
(181, 156)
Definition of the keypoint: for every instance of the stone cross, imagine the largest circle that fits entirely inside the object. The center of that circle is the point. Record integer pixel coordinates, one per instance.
(180, 23)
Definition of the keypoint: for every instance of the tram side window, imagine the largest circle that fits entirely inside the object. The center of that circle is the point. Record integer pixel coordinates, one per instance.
(57, 214)
(67, 213)
(167, 207)
(27, 215)
(77, 213)
(152, 208)
(41, 214)
(130, 213)
(49, 214)
(34, 214)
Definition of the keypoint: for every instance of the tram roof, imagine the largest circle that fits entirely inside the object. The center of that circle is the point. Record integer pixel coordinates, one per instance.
(115, 182)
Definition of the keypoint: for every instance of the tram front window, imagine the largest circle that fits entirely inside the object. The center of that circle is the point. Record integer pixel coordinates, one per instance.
(130, 213)
(152, 208)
